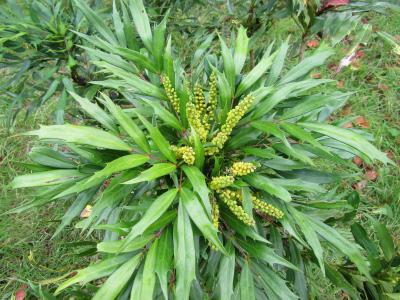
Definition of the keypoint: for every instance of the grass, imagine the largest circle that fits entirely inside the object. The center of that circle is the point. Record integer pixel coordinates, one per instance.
(26, 249)
(28, 253)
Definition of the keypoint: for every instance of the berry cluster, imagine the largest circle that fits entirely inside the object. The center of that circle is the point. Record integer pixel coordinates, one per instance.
(212, 96)
(171, 93)
(194, 118)
(186, 153)
(242, 168)
(229, 197)
(215, 213)
(221, 182)
(266, 208)
(234, 116)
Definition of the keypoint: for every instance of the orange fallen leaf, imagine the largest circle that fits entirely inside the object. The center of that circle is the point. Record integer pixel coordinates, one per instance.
(359, 186)
(312, 44)
(362, 122)
(316, 76)
(358, 161)
(360, 54)
(21, 292)
(371, 175)
(348, 125)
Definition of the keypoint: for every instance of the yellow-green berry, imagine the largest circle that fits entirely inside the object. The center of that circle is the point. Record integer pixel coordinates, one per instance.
(199, 99)
(234, 116)
(229, 198)
(221, 182)
(185, 152)
(242, 168)
(194, 118)
(171, 93)
(266, 208)
(215, 214)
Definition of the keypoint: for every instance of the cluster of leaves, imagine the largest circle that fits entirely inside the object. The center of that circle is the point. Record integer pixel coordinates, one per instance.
(208, 185)
(39, 55)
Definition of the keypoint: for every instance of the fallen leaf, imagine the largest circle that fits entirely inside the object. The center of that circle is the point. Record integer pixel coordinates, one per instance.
(312, 44)
(358, 161)
(21, 292)
(397, 37)
(355, 65)
(390, 155)
(383, 87)
(371, 175)
(365, 20)
(359, 186)
(316, 76)
(333, 3)
(86, 212)
(340, 84)
(348, 125)
(360, 54)
(362, 122)
(346, 110)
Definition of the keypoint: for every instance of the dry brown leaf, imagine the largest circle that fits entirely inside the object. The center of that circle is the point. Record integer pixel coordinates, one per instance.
(312, 44)
(347, 110)
(371, 175)
(362, 122)
(86, 212)
(360, 54)
(316, 76)
(340, 84)
(390, 155)
(358, 161)
(383, 87)
(348, 125)
(20, 294)
(359, 186)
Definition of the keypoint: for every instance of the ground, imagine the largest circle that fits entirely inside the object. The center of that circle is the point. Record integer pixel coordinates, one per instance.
(27, 251)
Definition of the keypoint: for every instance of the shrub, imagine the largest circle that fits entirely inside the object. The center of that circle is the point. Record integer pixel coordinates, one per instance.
(208, 186)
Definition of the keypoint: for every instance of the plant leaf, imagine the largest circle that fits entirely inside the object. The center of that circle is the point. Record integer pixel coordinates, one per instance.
(81, 135)
(267, 185)
(156, 171)
(198, 181)
(200, 218)
(153, 213)
(184, 254)
(116, 282)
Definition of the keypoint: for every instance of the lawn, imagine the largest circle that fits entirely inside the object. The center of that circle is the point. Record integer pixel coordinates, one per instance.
(28, 252)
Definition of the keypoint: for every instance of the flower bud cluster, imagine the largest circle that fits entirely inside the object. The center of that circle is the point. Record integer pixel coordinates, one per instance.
(234, 116)
(221, 182)
(266, 208)
(186, 153)
(242, 168)
(215, 214)
(212, 96)
(230, 199)
(194, 118)
(199, 99)
(171, 93)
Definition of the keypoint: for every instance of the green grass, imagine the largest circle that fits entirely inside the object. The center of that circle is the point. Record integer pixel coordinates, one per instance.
(29, 233)
(26, 249)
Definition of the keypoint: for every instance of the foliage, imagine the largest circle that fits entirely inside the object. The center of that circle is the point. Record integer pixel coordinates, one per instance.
(209, 172)
(40, 57)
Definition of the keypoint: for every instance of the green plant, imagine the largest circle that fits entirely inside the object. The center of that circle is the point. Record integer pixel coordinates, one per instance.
(208, 186)
(40, 57)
